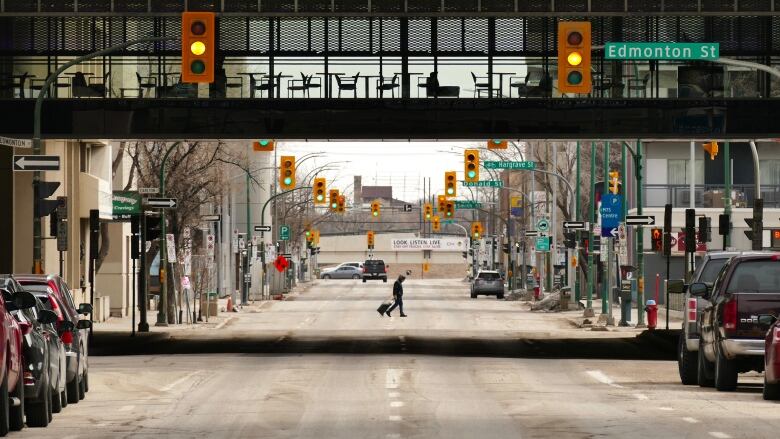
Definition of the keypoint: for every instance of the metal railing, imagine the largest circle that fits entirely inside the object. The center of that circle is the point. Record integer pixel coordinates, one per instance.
(657, 195)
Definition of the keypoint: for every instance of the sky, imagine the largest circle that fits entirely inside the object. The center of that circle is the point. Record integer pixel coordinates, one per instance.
(403, 165)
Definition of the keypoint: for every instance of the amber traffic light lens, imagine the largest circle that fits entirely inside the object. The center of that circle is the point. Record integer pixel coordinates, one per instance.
(574, 38)
(198, 28)
(198, 48)
(574, 59)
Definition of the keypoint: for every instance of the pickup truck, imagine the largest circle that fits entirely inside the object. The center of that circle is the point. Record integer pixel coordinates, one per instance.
(374, 269)
(688, 345)
(731, 339)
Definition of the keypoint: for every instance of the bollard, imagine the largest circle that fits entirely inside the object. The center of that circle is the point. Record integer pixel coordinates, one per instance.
(652, 314)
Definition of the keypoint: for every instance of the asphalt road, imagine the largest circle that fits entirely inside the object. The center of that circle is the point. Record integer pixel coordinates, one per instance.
(325, 365)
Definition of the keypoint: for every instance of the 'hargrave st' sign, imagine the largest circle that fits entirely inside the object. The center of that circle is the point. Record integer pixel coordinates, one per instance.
(662, 51)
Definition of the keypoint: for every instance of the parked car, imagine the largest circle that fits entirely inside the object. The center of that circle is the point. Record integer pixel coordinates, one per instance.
(11, 362)
(771, 356)
(732, 340)
(688, 345)
(488, 283)
(76, 341)
(342, 272)
(374, 269)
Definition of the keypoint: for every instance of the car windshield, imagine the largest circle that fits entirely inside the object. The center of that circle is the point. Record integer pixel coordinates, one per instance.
(711, 269)
(489, 276)
(756, 276)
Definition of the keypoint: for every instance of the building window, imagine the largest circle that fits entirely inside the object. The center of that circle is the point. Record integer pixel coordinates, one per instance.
(678, 171)
(770, 172)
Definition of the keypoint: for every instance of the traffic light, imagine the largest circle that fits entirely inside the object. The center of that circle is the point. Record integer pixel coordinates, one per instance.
(449, 209)
(152, 228)
(43, 190)
(724, 224)
(197, 47)
(574, 57)
(375, 206)
(370, 238)
(334, 200)
(428, 209)
(442, 204)
(318, 192)
(309, 236)
(614, 182)
(342, 204)
(690, 230)
(712, 149)
(756, 224)
(450, 184)
(570, 239)
(315, 239)
(656, 239)
(436, 223)
(476, 230)
(287, 172)
(471, 164)
(497, 144)
(704, 229)
(775, 238)
(264, 145)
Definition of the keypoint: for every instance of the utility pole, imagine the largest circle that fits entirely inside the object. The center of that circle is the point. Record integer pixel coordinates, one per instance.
(553, 216)
(727, 200)
(591, 268)
(640, 239)
(578, 236)
(605, 299)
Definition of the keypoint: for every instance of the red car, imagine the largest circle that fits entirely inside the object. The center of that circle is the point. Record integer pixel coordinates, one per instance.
(771, 357)
(11, 384)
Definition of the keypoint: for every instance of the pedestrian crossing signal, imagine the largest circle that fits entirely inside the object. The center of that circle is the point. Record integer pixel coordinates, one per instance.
(712, 149)
(656, 238)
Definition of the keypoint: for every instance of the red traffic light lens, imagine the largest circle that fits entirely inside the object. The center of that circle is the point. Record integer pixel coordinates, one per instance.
(198, 28)
(574, 38)
(470, 157)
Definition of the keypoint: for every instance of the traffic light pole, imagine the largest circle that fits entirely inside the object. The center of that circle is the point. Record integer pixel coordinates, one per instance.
(577, 216)
(36, 140)
(640, 235)
(591, 269)
(162, 311)
(727, 200)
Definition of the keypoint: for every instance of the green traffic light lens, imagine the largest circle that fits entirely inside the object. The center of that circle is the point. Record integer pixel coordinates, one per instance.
(264, 142)
(320, 197)
(334, 205)
(472, 174)
(288, 181)
(574, 78)
(427, 217)
(449, 213)
(450, 190)
(376, 213)
(197, 67)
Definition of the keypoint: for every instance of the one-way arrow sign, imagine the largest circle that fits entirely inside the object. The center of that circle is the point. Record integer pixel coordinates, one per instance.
(576, 225)
(211, 218)
(262, 228)
(614, 232)
(164, 203)
(36, 163)
(647, 220)
(531, 233)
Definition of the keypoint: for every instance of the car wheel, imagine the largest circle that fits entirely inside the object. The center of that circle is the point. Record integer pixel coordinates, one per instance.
(38, 413)
(356, 276)
(73, 389)
(16, 414)
(473, 295)
(56, 400)
(687, 363)
(64, 397)
(83, 387)
(4, 409)
(364, 280)
(384, 279)
(771, 390)
(326, 276)
(725, 372)
(704, 373)
(500, 296)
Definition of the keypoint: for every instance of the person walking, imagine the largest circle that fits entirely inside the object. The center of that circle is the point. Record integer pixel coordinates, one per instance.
(398, 296)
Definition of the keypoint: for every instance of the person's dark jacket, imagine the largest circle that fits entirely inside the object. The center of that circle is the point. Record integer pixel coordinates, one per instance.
(398, 290)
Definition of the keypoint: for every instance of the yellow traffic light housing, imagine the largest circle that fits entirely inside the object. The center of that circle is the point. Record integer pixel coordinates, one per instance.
(342, 204)
(471, 165)
(428, 211)
(614, 182)
(436, 223)
(197, 47)
(287, 172)
(318, 191)
(449, 209)
(334, 200)
(497, 144)
(375, 209)
(712, 149)
(574, 46)
(476, 230)
(265, 145)
(315, 238)
(370, 238)
(309, 235)
(450, 184)
(442, 200)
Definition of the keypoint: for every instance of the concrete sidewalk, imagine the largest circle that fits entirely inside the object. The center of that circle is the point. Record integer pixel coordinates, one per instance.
(599, 321)
(120, 324)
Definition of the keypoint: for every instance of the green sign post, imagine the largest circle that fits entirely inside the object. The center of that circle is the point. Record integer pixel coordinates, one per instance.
(125, 204)
(483, 183)
(662, 51)
(284, 232)
(510, 165)
(467, 204)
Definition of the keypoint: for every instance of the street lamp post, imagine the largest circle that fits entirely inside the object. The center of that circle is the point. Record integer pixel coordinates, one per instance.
(162, 312)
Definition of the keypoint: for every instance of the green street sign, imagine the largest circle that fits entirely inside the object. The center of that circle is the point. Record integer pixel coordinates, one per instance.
(483, 183)
(466, 204)
(125, 204)
(662, 51)
(510, 165)
(543, 243)
(284, 232)
(543, 225)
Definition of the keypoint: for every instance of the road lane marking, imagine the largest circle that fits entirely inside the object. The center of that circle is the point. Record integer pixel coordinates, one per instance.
(666, 409)
(690, 420)
(394, 395)
(641, 396)
(126, 408)
(719, 435)
(393, 379)
(396, 404)
(180, 380)
(602, 378)
(394, 418)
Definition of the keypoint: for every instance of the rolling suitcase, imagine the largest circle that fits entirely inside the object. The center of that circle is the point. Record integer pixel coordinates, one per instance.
(384, 307)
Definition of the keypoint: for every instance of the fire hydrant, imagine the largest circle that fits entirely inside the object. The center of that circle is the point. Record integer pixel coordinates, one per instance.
(652, 314)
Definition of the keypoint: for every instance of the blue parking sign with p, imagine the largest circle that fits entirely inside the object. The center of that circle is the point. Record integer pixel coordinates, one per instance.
(611, 213)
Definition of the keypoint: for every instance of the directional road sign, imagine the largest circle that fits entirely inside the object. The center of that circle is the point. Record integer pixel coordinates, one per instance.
(611, 213)
(543, 243)
(467, 204)
(18, 143)
(662, 51)
(531, 233)
(543, 225)
(211, 218)
(483, 183)
(163, 203)
(148, 190)
(262, 228)
(284, 232)
(510, 165)
(407, 207)
(36, 163)
(647, 220)
(575, 225)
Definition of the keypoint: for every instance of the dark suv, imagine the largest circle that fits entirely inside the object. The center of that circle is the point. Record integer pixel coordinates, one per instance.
(732, 340)
(374, 269)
